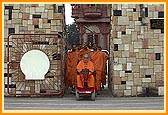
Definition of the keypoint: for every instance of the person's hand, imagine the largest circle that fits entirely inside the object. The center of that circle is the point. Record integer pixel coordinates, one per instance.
(78, 71)
(92, 71)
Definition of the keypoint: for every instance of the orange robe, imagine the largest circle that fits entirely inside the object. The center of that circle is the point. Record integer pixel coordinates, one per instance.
(103, 76)
(71, 63)
(80, 80)
(98, 60)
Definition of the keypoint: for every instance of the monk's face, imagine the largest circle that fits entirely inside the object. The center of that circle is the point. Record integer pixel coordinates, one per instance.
(86, 58)
(73, 47)
(79, 47)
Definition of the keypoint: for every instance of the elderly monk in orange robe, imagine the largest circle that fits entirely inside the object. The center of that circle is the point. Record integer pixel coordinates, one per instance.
(85, 64)
(71, 63)
(98, 60)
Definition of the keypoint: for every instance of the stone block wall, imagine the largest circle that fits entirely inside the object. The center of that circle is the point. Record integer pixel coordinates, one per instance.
(137, 49)
(32, 19)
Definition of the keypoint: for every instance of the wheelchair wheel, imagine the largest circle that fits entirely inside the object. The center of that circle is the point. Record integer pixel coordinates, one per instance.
(93, 95)
(77, 96)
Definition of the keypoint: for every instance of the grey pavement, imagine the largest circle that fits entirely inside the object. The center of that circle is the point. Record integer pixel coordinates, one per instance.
(68, 102)
(128, 103)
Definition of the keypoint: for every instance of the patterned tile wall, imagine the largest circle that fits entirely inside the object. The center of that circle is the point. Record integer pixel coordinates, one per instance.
(138, 50)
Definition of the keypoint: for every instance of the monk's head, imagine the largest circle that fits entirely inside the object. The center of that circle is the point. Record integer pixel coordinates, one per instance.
(85, 46)
(85, 58)
(99, 48)
(79, 47)
(94, 48)
(73, 47)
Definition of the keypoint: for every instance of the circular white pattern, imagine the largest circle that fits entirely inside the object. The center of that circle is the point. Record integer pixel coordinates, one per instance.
(34, 64)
